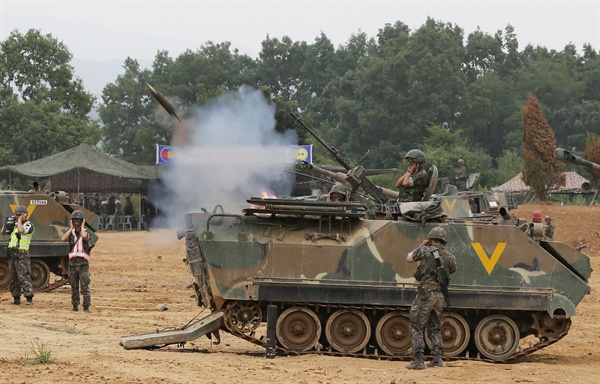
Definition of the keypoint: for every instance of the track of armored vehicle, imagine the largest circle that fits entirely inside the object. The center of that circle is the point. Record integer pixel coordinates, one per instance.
(341, 286)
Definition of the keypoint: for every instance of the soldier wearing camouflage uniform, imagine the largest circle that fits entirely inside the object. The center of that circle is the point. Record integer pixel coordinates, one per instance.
(414, 182)
(426, 310)
(461, 176)
(19, 265)
(79, 258)
(549, 231)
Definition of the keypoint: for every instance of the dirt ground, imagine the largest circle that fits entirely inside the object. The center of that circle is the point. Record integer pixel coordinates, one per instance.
(134, 272)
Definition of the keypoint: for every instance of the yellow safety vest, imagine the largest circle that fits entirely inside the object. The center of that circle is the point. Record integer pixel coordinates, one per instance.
(18, 241)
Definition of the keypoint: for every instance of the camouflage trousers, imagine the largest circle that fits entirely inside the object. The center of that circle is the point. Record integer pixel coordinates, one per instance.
(79, 275)
(19, 269)
(426, 311)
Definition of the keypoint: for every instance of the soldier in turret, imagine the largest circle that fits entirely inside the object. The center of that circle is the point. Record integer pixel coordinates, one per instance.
(461, 176)
(414, 182)
(549, 231)
(337, 193)
(427, 308)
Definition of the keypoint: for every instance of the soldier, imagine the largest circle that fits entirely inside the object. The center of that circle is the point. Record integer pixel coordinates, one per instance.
(429, 303)
(461, 176)
(549, 232)
(414, 182)
(19, 265)
(79, 258)
(337, 193)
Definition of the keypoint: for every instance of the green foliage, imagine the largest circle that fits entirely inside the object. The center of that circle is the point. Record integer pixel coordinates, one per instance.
(43, 107)
(541, 171)
(42, 353)
(510, 163)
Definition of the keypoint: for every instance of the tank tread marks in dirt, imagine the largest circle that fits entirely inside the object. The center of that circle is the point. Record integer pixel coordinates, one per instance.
(50, 216)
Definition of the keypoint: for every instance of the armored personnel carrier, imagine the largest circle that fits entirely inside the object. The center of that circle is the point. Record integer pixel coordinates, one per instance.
(337, 276)
(50, 215)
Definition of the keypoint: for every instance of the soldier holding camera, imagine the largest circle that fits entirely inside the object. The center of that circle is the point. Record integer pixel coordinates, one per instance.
(19, 265)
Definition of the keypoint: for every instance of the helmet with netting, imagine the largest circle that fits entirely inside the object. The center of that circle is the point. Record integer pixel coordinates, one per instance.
(338, 188)
(437, 233)
(77, 214)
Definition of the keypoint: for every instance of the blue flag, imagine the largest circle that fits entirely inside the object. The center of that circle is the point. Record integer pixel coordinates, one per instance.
(163, 154)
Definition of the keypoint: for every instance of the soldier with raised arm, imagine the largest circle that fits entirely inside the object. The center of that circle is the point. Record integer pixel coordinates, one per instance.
(426, 311)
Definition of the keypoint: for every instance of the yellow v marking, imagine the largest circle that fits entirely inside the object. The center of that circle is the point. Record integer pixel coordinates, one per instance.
(488, 262)
(450, 205)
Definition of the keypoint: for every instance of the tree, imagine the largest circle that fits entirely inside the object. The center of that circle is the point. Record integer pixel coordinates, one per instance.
(43, 107)
(592, 153)
(541, 171)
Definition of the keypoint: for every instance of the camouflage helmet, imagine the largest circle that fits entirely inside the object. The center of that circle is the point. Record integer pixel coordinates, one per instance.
(437, 233)
(417, 155)
(21, 209)
(548, 218)
(461, 161)
(77, 214)
(338, 188)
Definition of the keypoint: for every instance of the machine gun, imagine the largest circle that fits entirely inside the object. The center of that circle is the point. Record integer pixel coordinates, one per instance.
(356, 176)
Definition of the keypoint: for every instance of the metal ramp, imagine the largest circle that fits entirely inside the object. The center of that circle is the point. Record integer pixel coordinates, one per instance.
(160, 338)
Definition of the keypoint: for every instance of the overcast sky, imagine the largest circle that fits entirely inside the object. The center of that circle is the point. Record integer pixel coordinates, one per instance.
(109, 31)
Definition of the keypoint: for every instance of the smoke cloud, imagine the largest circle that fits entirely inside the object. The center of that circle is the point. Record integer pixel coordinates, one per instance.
(229, 153)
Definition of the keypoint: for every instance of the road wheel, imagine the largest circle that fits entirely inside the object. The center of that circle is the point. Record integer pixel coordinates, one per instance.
(40, 274)
(348, 330)
(497, 337)
(298, 329)
(393, 333)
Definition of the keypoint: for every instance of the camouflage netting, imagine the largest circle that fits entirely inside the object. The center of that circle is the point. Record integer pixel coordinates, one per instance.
(84, 169)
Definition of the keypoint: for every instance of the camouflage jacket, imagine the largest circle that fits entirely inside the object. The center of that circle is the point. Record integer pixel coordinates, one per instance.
(415, 192)
(425, 272)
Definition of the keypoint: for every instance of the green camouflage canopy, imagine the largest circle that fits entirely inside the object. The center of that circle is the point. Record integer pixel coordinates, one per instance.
(83, 169)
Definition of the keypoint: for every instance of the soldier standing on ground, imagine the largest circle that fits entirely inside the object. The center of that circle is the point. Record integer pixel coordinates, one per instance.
(79, 258)
(549, 232)
(427, 308)
(19, 264)
(414, 182)
(461, 176)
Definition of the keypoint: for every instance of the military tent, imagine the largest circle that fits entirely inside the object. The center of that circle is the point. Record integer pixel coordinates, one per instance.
(84, 169)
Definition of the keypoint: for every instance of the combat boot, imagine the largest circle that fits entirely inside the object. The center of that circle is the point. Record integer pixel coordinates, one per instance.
(29, 301)
(17, 301)
(75, 308)
(417, 363)
(436, 362)
(86, 309)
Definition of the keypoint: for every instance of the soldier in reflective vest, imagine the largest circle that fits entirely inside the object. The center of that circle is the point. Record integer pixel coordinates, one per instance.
(79, 258)
(19, 265)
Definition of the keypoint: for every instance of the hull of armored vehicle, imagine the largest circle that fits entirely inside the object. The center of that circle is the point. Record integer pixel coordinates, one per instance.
(47, 252)
(341, 284)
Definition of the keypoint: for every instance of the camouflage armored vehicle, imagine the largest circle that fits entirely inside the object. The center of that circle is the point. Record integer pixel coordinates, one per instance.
(337, 276)
(50, 216)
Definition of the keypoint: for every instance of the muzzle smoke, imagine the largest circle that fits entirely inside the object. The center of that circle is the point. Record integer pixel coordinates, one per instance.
(230, 152)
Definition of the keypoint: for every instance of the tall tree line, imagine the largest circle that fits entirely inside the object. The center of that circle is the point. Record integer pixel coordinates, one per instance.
(454, 96)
